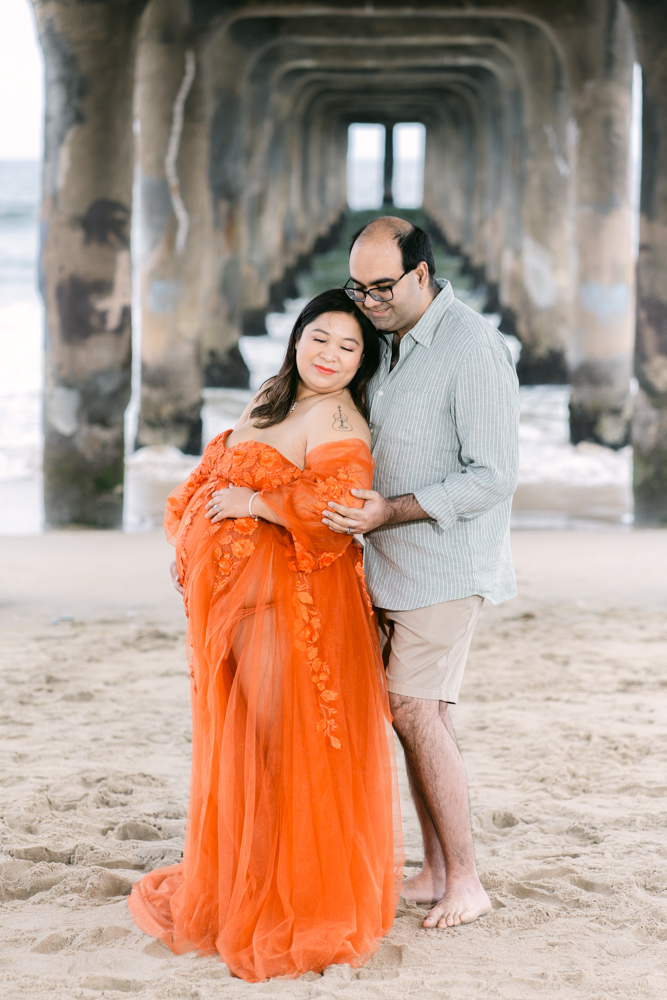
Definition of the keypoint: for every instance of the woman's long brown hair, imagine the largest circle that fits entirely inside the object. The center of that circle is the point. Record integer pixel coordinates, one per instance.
(280, 392)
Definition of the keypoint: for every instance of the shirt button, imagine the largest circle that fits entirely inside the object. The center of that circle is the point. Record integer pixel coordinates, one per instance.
(380, 392)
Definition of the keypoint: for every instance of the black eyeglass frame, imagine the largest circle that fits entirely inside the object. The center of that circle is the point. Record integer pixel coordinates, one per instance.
(349, 291)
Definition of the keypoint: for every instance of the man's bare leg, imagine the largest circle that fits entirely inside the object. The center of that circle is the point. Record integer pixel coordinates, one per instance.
(436, 771)
(429, 885)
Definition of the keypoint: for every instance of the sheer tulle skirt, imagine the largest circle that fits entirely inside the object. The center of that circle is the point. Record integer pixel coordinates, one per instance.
(293, 849)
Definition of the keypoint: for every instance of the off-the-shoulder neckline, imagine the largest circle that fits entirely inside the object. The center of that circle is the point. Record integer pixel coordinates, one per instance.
(346, 441)
(265, 444)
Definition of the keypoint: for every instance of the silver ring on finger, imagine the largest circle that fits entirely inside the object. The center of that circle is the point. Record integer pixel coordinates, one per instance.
(349, 531)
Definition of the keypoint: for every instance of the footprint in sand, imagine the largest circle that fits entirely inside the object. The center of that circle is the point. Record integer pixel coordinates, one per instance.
(53, 943)
(136, 830)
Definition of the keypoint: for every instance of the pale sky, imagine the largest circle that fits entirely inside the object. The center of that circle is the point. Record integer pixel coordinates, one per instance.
(366, 142)
(409, 141)
(21, 83)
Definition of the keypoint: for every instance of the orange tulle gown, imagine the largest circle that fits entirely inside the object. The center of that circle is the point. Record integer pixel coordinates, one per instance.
(293, 853)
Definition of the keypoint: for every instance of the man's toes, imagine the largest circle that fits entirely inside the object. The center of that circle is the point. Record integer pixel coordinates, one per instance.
(453, 917)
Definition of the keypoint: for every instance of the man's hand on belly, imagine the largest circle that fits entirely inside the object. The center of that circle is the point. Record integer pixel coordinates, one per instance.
(376, 511)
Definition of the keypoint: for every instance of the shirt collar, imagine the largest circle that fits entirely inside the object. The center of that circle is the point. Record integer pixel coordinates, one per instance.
(424, 328)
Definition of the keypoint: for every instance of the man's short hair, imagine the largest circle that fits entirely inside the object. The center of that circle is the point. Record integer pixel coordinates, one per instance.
(413, 242)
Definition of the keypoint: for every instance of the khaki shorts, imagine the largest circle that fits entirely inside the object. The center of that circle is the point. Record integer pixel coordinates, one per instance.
(425, 650)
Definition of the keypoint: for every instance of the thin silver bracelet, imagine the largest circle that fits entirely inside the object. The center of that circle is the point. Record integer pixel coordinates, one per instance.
(256, 493)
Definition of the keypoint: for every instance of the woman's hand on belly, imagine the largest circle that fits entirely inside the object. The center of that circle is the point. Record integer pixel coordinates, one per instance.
(229, 502)
(233, 501)
(173, 569)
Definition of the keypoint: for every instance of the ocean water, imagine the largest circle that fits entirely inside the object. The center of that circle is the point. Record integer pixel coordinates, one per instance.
(21, 355)
(560, 485)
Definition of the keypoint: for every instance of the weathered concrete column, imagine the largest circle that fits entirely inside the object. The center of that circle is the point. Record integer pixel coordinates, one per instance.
(600, 356)
(535, 260)
(388, 196)
(175, 219)
(89, 52)
(323, 152)
(649, 429)
(451, 164)
(294, 190)
(462, 153)
(223, 66)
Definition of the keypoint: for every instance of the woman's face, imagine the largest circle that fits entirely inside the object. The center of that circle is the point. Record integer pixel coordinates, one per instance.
(329, 352)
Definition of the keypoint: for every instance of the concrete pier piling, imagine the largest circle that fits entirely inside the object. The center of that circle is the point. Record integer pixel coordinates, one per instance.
(85, 271)
(601, 345)
(175, 214)
(649, 429)
(243, 110)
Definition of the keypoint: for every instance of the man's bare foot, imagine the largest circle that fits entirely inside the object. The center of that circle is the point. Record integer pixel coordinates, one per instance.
(424, 887)
(464, 901)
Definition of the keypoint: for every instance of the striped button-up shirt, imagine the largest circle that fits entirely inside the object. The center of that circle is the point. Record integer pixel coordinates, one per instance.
(445, 426)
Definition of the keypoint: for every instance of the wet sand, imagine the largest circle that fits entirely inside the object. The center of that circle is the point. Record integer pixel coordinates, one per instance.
(562, 722)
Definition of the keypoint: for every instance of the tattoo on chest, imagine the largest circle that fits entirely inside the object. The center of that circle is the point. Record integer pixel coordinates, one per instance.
(340, 421)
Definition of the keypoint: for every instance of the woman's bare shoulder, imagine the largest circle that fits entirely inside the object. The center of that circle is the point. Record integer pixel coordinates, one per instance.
(335, 418)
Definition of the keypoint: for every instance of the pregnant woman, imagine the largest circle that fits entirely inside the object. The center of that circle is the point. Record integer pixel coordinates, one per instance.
(293, 852)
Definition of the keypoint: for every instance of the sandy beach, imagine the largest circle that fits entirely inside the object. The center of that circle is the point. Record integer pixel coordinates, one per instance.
(562, 722)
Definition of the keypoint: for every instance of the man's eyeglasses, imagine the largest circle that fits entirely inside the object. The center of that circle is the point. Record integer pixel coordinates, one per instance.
(383, 293)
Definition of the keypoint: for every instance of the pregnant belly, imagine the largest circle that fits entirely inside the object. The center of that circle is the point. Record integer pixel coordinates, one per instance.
(217, 558)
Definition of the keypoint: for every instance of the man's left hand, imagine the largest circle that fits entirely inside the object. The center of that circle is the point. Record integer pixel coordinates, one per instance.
(358, 520)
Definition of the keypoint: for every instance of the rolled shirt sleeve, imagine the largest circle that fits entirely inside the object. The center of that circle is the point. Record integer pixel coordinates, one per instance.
(486, 416)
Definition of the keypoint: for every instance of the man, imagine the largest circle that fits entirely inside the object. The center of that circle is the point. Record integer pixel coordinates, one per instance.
(444, 411)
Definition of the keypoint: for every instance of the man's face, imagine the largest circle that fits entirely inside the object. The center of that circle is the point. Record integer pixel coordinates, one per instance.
(378, 262)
